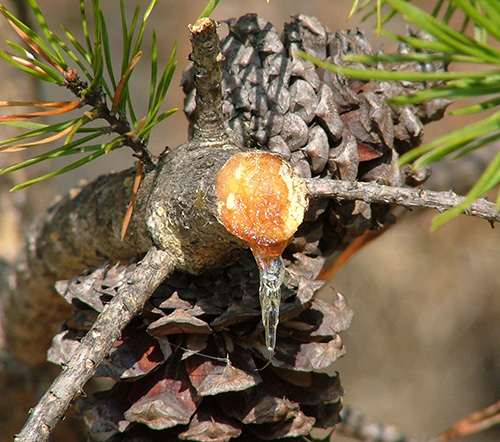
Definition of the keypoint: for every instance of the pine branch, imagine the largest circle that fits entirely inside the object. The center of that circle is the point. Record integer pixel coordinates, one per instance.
(49, 58)
(86, 221)
(96, 345)
(163, 196)
(401, 196)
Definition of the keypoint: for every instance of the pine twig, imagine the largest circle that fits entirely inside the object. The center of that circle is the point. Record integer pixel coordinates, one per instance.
(117, 123)
(474, 423)
(95, 346)
(407, 197)
(209, 125)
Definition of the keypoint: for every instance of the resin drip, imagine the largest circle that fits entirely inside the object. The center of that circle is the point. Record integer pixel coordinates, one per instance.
(271, 274)
(261, 201)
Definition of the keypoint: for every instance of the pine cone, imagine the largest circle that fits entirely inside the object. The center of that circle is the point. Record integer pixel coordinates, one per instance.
(325, 124)
(194, 366)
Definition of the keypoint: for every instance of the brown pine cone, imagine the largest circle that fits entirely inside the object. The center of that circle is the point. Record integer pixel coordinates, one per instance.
(326, 125)
(194, 367)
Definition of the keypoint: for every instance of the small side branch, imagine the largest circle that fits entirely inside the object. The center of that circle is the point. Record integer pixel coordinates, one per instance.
(117, 123)
(95, 346)
(208, 124)
(476, 422)
(401, 196)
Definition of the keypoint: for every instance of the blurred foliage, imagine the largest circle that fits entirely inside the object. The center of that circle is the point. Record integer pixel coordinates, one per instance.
(86, 69)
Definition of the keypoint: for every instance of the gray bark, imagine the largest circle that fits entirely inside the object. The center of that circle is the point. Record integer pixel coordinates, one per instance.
(209, 125)
(401, 196)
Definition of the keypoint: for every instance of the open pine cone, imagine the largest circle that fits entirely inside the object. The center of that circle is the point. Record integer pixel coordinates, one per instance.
(194, 366)
(326, 125)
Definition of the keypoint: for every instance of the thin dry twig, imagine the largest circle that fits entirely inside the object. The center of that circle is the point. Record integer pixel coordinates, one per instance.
(473, 423)
(95, 346)
(402, 196)
(330, 269)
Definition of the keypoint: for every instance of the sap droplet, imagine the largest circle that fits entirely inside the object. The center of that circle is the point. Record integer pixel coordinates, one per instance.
(262, 201)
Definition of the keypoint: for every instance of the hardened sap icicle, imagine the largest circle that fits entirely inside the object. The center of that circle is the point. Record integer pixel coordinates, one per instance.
(272, 272)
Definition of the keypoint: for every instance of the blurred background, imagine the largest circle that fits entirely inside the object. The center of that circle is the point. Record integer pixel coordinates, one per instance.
(424, 347)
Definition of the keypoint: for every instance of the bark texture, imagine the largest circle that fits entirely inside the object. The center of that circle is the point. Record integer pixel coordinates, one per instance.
(401, 196)
(83, 230)
(210, 125)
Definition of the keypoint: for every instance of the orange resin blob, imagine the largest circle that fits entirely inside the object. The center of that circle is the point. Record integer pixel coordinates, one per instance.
(261, 201)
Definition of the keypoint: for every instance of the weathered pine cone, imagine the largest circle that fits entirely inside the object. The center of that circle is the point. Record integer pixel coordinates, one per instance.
(326, 125)
(193, 366)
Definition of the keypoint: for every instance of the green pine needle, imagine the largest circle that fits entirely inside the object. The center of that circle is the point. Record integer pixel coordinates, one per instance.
(62, 170)
(439, 148)
(107, 49)
(154, 69)
(209, 8)
(87, 56)
(489, 179)
(66, 149)
(48, 33)
(85, 27)
(94, 60)
(381, 75)
(477, 107)
(448, 45)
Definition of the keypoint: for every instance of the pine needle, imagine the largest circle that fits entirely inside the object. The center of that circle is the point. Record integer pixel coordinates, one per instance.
(139, 175)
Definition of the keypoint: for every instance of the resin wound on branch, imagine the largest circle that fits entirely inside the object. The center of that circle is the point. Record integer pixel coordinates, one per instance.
(262, 202)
